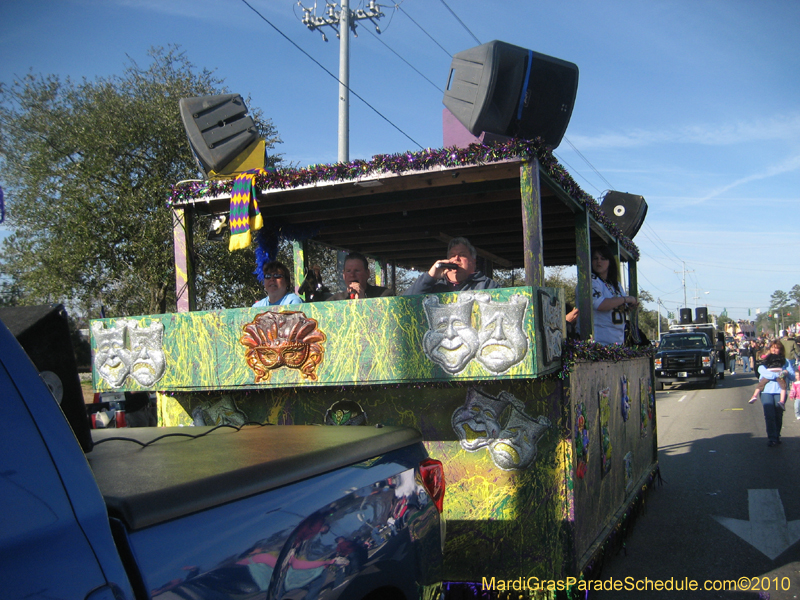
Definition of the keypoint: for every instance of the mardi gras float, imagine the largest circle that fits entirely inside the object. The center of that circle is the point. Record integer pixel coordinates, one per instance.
(548, 444)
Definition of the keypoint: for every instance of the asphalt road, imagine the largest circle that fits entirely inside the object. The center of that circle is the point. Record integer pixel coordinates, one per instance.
(722, 484)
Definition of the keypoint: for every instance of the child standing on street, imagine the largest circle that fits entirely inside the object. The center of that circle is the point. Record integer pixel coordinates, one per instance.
(794, 393)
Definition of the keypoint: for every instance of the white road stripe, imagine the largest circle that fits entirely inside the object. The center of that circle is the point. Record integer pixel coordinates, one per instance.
(682, 398)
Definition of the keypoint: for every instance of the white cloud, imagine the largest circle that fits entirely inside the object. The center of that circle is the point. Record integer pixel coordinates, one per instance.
(790, 164)
(784, 127)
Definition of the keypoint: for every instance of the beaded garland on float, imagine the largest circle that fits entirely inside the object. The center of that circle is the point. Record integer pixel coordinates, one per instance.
(412, 161)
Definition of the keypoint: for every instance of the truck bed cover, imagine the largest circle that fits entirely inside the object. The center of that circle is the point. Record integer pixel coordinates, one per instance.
(176, 476)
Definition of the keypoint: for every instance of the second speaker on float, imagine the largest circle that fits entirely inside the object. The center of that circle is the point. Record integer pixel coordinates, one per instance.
(511, 91)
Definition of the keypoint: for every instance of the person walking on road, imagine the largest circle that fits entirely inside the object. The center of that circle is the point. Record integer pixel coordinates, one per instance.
(744, 354)
(790, 348)
(770, 397)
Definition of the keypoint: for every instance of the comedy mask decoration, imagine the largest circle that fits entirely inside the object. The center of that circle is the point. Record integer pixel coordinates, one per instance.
(477, 422)
(451, 341)
(500, 424)
(219, 412)
(287, 339)
(112, 359)
(552, 320)
(129, 350)
(494, 337)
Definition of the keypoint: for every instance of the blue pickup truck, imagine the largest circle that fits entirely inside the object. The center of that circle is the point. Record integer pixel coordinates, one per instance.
(291, 512)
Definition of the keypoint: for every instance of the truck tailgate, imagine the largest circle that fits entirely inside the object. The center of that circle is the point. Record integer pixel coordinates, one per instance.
(180, 475)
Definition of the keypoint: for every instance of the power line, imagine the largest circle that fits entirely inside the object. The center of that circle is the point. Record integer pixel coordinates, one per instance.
(460, 21)
(398, 7)
(405, 61)
(572, 170)
(586, 160)
(316, 62)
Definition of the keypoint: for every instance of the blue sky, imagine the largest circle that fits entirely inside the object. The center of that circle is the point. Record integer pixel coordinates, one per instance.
(693, 105)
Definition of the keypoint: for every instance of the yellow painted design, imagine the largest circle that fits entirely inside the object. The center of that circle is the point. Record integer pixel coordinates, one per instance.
(374, 341)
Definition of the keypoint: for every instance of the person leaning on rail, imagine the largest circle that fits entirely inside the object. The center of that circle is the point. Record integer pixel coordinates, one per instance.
(277, 283)
(456, 273)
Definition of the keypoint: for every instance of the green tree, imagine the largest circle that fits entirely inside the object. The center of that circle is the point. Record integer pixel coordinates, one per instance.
(794, 295)
(87, 169)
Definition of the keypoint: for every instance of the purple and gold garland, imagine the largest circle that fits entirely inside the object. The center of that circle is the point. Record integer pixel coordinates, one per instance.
(412, 161)
(575, 350)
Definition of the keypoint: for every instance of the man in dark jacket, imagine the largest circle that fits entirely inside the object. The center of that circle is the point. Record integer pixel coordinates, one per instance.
(455, 274)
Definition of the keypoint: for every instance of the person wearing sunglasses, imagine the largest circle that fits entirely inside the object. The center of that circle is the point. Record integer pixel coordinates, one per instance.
(277, 283)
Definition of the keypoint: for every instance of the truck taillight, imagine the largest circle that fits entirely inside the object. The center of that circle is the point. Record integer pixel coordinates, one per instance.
(432, 474)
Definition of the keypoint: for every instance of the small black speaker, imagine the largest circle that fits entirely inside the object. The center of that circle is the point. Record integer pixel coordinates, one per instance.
(626, 211)
(218, 129)
(43, 332)
(686, 316)
(701, 314)
(511, 91)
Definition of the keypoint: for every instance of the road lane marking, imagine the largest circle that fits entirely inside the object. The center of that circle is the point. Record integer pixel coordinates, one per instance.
(682, 398)
(767, 529)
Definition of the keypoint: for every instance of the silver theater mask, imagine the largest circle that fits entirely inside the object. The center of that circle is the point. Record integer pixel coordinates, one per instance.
(451, 341)
(112, 359)
(503, 343)
(147, 353)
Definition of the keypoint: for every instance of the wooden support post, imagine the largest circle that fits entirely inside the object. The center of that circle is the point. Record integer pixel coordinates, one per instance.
(185, 293)
(299, 263)
(633, 279)
(583, 260)
(531, 196)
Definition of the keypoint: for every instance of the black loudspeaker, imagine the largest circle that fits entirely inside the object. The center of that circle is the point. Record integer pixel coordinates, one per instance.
(507, 90)
(686, 316)
(218, 129)
(43, 332)
(626, 211)
(701, 314)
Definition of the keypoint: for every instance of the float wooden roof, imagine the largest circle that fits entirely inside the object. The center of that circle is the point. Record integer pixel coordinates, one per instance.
(408, 218)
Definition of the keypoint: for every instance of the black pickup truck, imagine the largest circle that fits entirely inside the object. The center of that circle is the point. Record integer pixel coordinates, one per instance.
(686, 357)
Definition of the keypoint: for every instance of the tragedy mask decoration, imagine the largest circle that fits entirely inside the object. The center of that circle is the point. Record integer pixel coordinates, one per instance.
(552, 326)
(502, 341)
(283, 339)
(494, 336)
(129, 350)
(147, 353)
(500, 424)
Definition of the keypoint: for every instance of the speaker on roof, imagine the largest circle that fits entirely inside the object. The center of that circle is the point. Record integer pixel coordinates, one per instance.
(511, 91)
(701, 314)
(221, 134)
(686, 316)
(626, 211)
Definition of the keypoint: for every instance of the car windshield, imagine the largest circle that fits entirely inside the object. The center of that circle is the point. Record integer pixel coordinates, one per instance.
(684, 342)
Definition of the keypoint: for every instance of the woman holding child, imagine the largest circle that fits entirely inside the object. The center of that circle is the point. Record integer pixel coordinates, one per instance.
(775, 375)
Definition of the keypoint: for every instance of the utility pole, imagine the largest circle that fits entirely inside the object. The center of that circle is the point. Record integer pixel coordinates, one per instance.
(342, 21)
(658, 307)
(684, 282)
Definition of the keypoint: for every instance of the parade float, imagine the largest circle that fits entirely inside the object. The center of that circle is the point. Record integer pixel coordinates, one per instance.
(549, 445)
